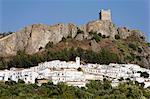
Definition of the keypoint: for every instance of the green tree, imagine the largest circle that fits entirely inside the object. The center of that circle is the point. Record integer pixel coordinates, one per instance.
(144, 74)
(49, 45)
(96, 37)
(64, 91)
(117, 37)
(21, 81)
(133, 46)
(107, 84)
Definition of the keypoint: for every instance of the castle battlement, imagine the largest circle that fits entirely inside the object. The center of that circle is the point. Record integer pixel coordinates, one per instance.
(105, 15)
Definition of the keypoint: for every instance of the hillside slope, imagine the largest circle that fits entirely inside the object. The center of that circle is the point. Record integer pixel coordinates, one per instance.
(129, 45)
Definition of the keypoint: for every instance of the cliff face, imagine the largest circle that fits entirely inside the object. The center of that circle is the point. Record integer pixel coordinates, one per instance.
(35, 37)
(106, 28)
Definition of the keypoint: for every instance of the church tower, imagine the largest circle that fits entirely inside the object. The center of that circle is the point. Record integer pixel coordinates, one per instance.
(105, 15)
(78, 61)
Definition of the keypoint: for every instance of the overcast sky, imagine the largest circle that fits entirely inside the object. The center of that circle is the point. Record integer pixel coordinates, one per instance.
(16, 14)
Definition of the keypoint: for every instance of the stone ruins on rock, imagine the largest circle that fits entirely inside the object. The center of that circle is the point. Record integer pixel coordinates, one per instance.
(105, 15)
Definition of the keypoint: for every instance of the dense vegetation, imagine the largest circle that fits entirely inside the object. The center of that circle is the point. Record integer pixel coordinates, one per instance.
(93, 90)
(24, 60)
(133, 46)
(129, 50)
(97, 36)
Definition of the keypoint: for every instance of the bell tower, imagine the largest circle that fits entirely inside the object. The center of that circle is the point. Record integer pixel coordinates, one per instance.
(78, 61)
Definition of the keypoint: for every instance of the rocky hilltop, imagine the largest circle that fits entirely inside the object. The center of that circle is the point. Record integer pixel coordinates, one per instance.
(35, 37)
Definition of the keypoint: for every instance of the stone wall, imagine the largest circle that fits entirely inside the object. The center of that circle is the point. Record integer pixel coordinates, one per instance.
(105, 15)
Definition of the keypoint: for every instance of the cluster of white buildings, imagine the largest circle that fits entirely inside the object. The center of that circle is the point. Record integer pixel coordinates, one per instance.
(76, 74)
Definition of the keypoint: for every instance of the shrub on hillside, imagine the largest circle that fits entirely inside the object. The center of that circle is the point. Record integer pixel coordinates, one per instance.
(139, 58)
(129, 58)
(79, 31)
(117, 37)
(139, 50)
(96, 37)
(133, 46)
(49, 45)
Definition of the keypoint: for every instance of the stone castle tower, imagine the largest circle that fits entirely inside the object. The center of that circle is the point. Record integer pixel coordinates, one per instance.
(105, 15)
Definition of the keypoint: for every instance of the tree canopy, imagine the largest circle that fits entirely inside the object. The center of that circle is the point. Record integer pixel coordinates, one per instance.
(94, 89)
(23, 60)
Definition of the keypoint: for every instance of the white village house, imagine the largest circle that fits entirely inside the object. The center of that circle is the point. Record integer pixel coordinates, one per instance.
(62, 71)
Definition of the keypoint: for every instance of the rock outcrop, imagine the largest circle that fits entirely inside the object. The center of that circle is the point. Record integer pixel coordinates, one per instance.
(124, 32)
(35, 37)
(106, 28)
(95, 46)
